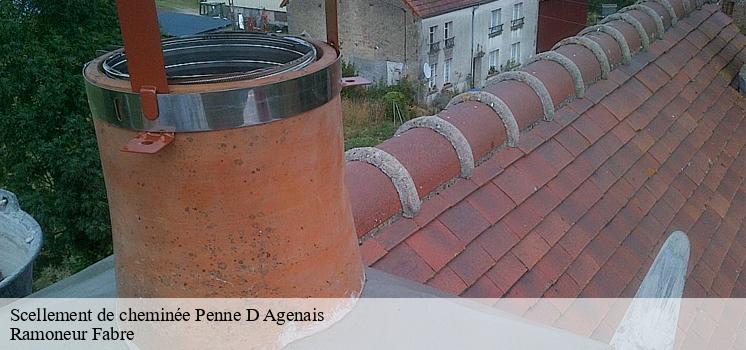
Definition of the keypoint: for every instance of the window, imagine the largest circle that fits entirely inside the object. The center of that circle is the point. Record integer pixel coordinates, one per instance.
(517, 22)
(494, 61)
(515, 52)
(496, 27)
(496, 17)
(447, 71)
(433, 38)
(518, 11)
(448, 35)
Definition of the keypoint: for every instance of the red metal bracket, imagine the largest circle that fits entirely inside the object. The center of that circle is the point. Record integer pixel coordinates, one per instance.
(149, 101)
(149, 142)
(138, 20)
(355, 81)
(332, 26)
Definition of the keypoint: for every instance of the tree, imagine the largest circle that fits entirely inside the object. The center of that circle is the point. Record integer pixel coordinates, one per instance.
(48, 152)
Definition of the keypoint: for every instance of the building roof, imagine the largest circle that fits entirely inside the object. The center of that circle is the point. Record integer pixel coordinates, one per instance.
(429, 8)
(583, 202)
(181, 24)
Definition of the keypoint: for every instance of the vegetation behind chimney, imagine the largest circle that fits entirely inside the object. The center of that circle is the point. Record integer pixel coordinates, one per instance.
(48, 153)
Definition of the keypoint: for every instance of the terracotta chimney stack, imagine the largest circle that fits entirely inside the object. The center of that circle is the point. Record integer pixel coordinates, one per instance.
(231, 184)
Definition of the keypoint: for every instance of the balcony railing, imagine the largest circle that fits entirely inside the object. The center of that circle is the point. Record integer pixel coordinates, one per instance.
(449, 43)
(496, 30)
(435, 47)
(516, 23)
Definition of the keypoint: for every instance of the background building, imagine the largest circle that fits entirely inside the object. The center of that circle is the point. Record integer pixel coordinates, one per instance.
(260, 15)
(464, 46)
(448, 45)
(380, 37)
(180, 24)
(559, 19)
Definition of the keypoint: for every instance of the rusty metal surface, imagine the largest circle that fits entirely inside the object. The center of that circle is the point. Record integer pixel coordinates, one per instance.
(138, 20)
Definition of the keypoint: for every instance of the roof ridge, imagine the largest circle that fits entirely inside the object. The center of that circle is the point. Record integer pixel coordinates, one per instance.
(431, 151)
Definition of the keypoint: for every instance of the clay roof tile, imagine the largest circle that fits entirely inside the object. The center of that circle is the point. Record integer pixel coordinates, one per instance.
(576, 174)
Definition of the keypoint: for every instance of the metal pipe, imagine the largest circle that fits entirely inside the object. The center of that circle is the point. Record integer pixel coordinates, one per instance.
(405, 41)
(471, 63)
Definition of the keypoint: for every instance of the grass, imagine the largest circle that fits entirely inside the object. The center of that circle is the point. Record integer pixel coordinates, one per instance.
(366, 123)
(179, 5)
(372, 115)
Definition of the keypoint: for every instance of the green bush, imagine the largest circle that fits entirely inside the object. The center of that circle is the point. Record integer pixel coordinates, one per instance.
(510, 65)
(372, 115)
(397, 106)
(48, 152)
(348, 69)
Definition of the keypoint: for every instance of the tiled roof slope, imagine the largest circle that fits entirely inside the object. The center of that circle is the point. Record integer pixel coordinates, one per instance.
(581, 205)
(429, 8)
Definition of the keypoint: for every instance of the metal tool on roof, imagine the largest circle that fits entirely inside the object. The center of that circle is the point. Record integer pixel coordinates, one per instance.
(232, 179)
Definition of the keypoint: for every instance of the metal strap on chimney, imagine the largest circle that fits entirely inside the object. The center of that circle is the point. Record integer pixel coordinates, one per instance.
(591, 45)
(535, 84)
(651, 13)
(451, 133)
(332, 23)
(217, 110)
(614, 33)
(671, 12)
(395, 171)
(626, 17)
(569, 66)
(138, 21)
(497, 105)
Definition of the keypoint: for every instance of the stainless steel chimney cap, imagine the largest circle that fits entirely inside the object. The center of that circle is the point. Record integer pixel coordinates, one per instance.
(228, 56)
(219, 81)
